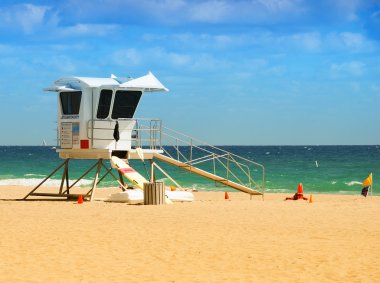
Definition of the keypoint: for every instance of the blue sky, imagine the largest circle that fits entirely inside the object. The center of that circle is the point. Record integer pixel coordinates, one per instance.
(274, 72)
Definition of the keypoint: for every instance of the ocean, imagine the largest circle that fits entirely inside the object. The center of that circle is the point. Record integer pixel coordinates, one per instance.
(321, 169)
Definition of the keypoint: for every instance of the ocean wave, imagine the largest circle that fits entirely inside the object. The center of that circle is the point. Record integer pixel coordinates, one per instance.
(352, 183)
(36, 175)
(35, 182)
(348, 192)
(277, 190)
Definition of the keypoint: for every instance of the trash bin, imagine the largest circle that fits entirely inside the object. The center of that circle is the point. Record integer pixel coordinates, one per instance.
(154, 193)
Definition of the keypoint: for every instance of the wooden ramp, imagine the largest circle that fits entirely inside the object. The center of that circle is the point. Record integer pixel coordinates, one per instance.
(206, 174)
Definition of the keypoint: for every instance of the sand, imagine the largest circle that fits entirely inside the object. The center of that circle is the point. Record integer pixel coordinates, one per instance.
(334, 239)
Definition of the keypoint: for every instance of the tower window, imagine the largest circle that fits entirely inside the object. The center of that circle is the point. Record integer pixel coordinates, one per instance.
(125, 103)
(70, 102)
(104, 103)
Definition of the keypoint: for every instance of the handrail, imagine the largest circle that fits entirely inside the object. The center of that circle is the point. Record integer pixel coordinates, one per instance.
(242, 163)
(149, 133)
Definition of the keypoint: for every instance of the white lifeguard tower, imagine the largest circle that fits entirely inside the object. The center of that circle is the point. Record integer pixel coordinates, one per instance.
(96, 121)
(96, 115)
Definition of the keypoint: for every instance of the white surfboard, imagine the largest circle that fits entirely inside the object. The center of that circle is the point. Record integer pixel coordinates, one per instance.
(128, 172)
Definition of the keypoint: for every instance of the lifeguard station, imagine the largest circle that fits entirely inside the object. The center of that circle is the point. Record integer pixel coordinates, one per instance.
(96, 121)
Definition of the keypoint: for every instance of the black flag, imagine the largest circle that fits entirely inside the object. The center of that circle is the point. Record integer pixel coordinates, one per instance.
(116, 134)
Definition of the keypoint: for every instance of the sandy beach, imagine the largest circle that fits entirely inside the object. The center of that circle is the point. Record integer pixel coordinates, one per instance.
(334, 239)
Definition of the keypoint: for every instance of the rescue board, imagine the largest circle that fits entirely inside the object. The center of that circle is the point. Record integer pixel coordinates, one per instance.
(128, 172)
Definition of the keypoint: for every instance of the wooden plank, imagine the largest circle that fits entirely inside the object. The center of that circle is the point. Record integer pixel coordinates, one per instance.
(55, 195)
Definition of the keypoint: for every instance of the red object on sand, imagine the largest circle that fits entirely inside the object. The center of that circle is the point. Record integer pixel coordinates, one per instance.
(300, 191)
(298, 195)
(80, 199)
(226, 196)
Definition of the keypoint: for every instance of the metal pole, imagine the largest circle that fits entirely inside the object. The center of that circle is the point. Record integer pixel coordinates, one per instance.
(191, 152)
(92, 117)
(263, 185)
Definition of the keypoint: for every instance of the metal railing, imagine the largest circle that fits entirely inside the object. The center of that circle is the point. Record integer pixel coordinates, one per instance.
(146, 132)
(197, 153)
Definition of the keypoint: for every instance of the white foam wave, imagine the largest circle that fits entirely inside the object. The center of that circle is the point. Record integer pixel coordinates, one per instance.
(352, 183)
(37, 175)
(347, 192)
(35, 182)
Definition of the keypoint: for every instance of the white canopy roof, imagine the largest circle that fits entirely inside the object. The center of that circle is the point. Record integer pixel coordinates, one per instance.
(146, 83)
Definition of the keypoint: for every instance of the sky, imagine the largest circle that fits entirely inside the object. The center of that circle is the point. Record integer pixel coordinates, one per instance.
(243, 72)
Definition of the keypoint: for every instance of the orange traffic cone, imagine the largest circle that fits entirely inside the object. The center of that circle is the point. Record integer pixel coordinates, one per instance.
(300, 191)
(311, 199)
(226, 196)
(80, 199)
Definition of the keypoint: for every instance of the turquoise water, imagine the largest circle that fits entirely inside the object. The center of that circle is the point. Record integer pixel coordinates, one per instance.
(321, 169)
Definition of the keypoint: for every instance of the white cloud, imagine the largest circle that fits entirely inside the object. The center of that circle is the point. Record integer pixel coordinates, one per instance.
(309, 41)
(62, 64)
(5, 48)
(172, 58)
(188, 11)
(353, 40)
(254, 11)
(127, 57)
(354, 68)
(26, 16)
(160, 56)
(179, 59)
(275, 6)
(210, 11)
(347, 8)
(197, 41)
(32, 18)
(88, 29)
(349, 41)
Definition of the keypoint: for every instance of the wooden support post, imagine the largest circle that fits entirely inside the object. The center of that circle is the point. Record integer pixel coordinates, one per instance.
(64, 176)
(121, 178)
(81, 177)
(67, 178)
(152, 174)
(65, 192)
(96, 179)
(44, 180)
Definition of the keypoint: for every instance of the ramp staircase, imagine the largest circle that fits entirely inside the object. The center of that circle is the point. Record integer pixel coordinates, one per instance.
(218, 164)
